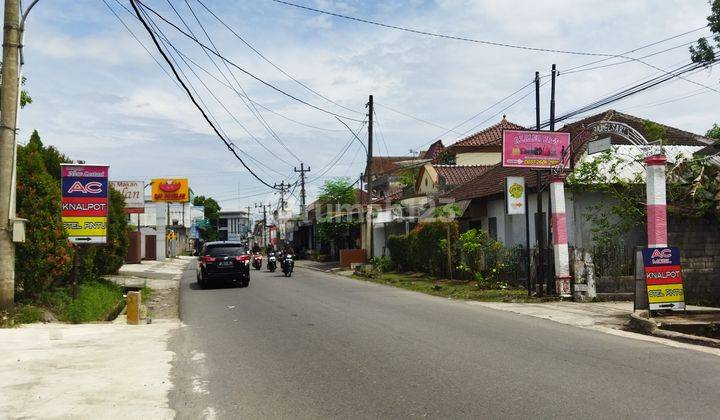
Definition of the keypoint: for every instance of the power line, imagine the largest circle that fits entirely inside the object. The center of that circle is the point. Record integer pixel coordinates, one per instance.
(192, 98)
(635, 49)
(255, 50)
(250, 106)
(686, 69)
(382, 136)
(271, 86)
(445, 36)
(413, 117)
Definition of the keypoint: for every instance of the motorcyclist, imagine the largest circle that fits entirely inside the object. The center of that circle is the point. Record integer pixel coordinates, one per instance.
(256, 248)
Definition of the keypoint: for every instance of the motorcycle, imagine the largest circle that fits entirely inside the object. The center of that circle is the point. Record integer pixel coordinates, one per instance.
(287, 265)
(271, 262)
(257, 261)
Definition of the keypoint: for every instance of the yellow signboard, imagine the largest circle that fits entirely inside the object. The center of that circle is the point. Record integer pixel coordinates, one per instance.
(662, 293)
(171, 190)
(85, 226)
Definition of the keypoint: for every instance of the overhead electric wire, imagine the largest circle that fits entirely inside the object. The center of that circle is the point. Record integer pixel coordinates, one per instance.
(250, 106)
(635, 49)
(412, 116)
(641, 87)
(380, 131)
(271, 86)
(278, 68)
(227, 143)
(185, 58)
(340, 154)
(445, 36)
(166, 42)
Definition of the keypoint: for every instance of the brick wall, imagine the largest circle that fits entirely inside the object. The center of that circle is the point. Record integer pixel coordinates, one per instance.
(699, 243)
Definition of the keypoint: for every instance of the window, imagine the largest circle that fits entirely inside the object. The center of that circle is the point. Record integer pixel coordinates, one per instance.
(492, 227)
(223, 223)
(475, 224)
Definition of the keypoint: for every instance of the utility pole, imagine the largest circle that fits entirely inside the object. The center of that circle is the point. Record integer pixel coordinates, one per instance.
(248, 219)
(553, 72)
(9, 95)
(368, 173)
(302, 187)
(264, 210)
(539, 221)
(283, 187)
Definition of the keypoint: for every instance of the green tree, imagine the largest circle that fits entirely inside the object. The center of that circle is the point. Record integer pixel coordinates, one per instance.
(714, 132)
(337, 191)
(212, 214)
(333, 225)
(46, 255)
(703, 51)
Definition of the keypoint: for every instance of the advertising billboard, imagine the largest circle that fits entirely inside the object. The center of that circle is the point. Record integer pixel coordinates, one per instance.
(515, 195)
(663, 276)
(85, 202)
(134, 193)
(534, 149)
(171, 190)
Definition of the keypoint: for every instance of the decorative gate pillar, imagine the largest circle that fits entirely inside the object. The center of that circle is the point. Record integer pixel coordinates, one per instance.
(559, 235)
(656, 201)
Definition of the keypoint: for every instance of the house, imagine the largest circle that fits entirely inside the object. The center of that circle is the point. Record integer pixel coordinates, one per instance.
(433, 178)
(483, 147)
(484, 201)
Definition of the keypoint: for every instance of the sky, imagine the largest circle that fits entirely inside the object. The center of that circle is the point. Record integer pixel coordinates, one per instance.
(99, 96)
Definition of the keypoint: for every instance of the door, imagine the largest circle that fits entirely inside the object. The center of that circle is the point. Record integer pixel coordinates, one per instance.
(150, 247)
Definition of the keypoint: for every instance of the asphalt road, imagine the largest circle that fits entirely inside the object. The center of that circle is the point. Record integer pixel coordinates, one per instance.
(321, 346)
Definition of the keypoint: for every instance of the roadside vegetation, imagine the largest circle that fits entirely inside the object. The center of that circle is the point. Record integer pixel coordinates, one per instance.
(435, 259)
(44, 261)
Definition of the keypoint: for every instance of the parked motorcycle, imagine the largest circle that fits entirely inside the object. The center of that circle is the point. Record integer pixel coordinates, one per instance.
(257, 261)
(271, 262)
(287, 265)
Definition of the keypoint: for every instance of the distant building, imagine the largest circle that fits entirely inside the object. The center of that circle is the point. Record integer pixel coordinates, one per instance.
(233, 225)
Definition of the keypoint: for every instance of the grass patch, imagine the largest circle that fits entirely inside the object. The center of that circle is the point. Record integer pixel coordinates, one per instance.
(23, 314)
(97, 301)
(146, 294)
(459, 289)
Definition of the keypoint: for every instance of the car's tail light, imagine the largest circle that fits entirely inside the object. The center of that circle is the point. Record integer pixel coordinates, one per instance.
(242, 258)
(208, 259)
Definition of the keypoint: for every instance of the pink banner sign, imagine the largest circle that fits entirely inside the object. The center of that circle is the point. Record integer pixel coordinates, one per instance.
(535, 149)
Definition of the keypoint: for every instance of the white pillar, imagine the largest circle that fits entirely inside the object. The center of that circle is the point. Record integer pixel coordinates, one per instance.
(560, 239)
(656, 201)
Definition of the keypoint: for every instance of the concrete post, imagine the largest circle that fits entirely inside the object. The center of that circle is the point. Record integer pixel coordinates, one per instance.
(560, 240)
(133, 308)
(656, 201)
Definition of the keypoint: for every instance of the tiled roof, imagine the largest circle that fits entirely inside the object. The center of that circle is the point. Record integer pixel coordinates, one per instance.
(492, 182)
(455, 175)
(673, 136)
(433, 151)
(491, 136)
(382, 165)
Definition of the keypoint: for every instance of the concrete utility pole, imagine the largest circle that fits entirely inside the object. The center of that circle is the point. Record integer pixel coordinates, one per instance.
(283, 188)
(368, 173)
(9, 96)
(264, 210)
(248, 219)
(302, 186)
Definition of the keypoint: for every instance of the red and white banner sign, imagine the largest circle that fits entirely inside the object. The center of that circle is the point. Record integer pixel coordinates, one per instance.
(134, 193)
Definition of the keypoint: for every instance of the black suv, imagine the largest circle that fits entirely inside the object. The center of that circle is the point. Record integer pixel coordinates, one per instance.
(226, 260)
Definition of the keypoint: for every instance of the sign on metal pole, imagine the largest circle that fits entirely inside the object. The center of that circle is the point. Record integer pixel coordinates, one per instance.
(515, 195)
(535, 149)
(663, 277)
(170, 190)
(599, 145)
(134, 193)
(85, 202)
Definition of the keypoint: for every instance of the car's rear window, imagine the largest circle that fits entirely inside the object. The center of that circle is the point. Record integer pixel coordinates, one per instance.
(223, 251)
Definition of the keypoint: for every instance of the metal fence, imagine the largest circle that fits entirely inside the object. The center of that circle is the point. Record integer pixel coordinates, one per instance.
(614, 261)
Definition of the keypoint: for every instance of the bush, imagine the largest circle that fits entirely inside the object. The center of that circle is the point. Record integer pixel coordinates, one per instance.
(27, 314)
(109, 258)
(419, 250)
(96, 301)
(46, 256)
(381, 264)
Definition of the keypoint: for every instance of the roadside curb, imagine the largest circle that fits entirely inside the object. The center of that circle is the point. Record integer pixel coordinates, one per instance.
(645, 325)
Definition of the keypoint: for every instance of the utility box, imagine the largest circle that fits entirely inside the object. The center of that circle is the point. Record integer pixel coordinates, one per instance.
(18, 229)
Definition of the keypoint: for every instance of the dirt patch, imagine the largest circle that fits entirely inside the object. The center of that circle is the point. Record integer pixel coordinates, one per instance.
(163, 304)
